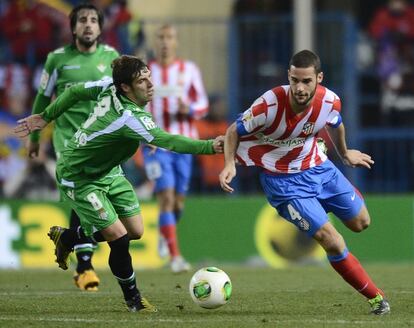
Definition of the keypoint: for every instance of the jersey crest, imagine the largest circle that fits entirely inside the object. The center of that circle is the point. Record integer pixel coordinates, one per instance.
(101, 67)
(308, 128)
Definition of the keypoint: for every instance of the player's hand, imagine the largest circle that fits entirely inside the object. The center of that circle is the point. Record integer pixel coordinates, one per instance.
(218, 145)
(27, 125)
(33, 149)
(226, 176)
(355, 158)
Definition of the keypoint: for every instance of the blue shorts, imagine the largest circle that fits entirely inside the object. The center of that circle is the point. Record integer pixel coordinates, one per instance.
(305, 198)
(168, 169)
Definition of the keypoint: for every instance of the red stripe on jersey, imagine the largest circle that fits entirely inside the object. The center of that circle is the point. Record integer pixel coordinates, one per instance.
(306, 162)
(192, 94)
(165, 112)
(316, 106)
(282, 165)
(256, 153)
(260, 109)
(337, 105)
(281, 101)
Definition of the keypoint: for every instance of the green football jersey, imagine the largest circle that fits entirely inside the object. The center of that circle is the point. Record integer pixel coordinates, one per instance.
(65, 67)
(112, 133)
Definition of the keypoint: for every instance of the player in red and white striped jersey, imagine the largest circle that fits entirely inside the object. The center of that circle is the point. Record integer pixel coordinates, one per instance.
(275, 138)
(179, 99)
(278, 133)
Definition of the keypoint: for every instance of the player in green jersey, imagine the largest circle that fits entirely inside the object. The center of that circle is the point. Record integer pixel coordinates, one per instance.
(106, 202)
(83, 60)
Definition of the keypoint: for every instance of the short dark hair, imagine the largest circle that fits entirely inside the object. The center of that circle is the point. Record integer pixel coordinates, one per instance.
(125, 69)
(73, 16)
(305, 59)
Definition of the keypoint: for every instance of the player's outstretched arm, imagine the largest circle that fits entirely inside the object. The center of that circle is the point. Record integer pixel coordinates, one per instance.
(231, 142)
(185, 145)
(29, 124)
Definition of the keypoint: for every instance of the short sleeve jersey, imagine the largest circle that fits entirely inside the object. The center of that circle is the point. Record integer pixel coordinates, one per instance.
(274, 137)
(65, 67)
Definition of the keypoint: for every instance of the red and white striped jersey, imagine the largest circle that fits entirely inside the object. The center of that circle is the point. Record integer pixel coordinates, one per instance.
(181, 79)
(272, 136)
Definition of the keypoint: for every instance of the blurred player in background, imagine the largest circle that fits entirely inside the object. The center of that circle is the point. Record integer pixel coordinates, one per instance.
(278, 133)
(105, 201)
(179, 99)
(83, 60)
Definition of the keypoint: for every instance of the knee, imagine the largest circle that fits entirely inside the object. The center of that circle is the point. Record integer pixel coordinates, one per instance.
(330, 240)
(136, 233)
(360, 223)
(166, 200)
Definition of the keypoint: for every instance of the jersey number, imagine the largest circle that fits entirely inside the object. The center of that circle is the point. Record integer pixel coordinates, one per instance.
(101, 108)
(94, 200)
(294, 215)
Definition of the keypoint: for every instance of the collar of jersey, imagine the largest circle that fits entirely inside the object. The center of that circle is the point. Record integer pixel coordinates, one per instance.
(129, 104)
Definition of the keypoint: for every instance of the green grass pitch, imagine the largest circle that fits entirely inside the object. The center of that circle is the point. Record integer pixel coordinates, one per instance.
(262, 297)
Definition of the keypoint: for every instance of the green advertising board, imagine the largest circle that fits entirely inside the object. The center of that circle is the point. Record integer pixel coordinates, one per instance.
(229, 229)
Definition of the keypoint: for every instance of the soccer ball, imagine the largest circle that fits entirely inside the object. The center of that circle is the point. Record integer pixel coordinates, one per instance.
(210, 288)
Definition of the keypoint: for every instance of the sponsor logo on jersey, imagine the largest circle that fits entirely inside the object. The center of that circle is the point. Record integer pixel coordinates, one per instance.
(103, 214)
(69, 67)
(44, 79)
(130, 208)
(308, 128)
(295, 142)
(71, 194)
(148, 122)
(101, 68)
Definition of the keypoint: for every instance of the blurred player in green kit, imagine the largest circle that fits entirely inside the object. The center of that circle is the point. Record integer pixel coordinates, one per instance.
(106, 202)
(83, 60)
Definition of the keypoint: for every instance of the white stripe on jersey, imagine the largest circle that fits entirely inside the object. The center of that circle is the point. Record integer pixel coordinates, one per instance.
(127, 119)
(138, 127)
(51, 83)
(104, 83)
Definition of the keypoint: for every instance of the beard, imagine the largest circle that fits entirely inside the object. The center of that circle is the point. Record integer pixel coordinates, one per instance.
(87, 43)
(306, 100)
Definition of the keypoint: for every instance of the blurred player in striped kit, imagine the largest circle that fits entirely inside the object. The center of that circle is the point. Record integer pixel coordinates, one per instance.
(279, 134)
(83, 60)
(179, 99)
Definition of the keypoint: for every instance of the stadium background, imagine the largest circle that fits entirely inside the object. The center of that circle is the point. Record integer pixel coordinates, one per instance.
(242, 48)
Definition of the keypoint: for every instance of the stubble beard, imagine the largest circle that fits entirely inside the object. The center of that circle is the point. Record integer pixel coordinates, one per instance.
(307, 100)
(87, 43)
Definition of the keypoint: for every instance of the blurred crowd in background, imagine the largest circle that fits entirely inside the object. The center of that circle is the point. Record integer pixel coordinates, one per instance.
(30, 29)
